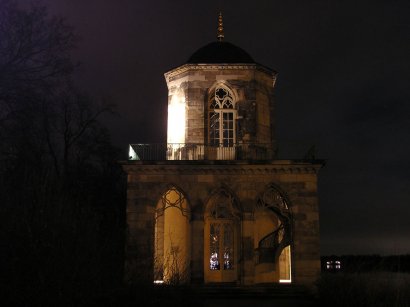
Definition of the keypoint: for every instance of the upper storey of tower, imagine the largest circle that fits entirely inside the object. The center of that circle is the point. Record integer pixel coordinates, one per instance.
(221, 105)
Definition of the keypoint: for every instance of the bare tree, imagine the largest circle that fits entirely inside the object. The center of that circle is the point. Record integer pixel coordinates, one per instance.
(43, 117)
(34, 50)
(34, 64)
(59, 184)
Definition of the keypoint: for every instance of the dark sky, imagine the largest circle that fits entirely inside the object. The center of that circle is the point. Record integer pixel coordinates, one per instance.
(343, 85)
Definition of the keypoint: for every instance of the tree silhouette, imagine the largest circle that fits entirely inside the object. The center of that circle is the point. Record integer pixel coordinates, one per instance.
(61, 218)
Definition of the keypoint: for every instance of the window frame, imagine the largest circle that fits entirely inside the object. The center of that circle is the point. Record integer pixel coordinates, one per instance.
(219, 108)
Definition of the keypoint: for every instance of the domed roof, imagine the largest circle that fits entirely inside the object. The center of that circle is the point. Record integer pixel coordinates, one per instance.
(220, 52)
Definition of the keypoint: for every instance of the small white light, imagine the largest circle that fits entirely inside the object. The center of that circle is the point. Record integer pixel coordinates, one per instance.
(158, 281)
(285, 281)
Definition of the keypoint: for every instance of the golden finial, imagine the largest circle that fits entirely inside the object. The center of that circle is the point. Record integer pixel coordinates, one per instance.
(220, 35)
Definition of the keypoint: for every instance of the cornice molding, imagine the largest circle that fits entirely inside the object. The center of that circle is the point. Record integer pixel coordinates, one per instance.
(169, 76)
(228, 169)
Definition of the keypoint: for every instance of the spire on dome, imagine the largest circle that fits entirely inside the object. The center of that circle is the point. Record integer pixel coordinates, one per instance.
(220, 35)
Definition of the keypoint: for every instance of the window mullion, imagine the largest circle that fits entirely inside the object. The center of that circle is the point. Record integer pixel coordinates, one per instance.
(221, 128)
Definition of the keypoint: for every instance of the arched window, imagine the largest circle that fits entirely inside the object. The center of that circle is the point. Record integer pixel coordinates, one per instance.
(273, 232)
(221, 231)
(172, 198)
(222, 116)
(172, 238)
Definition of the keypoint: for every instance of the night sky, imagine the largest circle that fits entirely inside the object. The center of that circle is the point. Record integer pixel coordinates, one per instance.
(343, 86)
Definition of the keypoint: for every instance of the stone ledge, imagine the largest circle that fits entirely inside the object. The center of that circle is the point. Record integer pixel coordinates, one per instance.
(218, 67)
(215, 167)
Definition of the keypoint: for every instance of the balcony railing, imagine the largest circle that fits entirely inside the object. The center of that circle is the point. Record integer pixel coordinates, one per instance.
(190, 151)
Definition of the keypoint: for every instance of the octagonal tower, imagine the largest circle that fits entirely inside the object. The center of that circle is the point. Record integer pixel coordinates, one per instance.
(221, 104)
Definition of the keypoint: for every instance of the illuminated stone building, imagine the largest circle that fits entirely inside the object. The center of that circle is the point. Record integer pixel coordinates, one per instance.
(214, 204)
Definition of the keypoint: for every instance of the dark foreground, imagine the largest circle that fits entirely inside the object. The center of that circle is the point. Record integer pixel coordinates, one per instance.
(353, 289)
(214, 295)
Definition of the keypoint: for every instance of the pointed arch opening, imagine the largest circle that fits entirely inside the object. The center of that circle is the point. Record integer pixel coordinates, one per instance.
(221, 237)
(172, 238)
(222, 115)
(272, 237)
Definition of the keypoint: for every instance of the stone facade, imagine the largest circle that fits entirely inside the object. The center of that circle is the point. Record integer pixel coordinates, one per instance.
(218, 206)
(252, 86)
(247, 182)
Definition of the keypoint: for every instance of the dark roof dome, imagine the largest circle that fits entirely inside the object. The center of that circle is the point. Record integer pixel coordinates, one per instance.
(220, 52)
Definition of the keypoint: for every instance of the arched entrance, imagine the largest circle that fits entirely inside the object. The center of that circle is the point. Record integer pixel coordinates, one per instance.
(221, 238)
(172, 238)
(272, 237)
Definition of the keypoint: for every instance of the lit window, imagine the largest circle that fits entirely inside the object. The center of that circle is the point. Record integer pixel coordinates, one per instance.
(333, 265)
(224, 243)
(222, 117)
(214, 247)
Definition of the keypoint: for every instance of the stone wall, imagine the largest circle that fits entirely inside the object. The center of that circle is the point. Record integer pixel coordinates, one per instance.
(252, 86)
(197, 180)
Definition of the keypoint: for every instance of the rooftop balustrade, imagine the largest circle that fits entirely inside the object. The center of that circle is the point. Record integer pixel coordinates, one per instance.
(191, 151)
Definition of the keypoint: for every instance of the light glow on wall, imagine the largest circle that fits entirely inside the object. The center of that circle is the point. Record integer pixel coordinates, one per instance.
(286, 257)
(132, 155)
(176, 119)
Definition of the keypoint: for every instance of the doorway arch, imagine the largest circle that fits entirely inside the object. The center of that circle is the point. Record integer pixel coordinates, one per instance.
(221, 238)
(272, 237)
(172, 238)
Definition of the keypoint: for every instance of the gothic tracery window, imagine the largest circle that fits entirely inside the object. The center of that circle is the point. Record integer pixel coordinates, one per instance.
(222, 115)
(173, 198)
(273, 201)
(172, 228)
(271, 198)
(223, 215)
